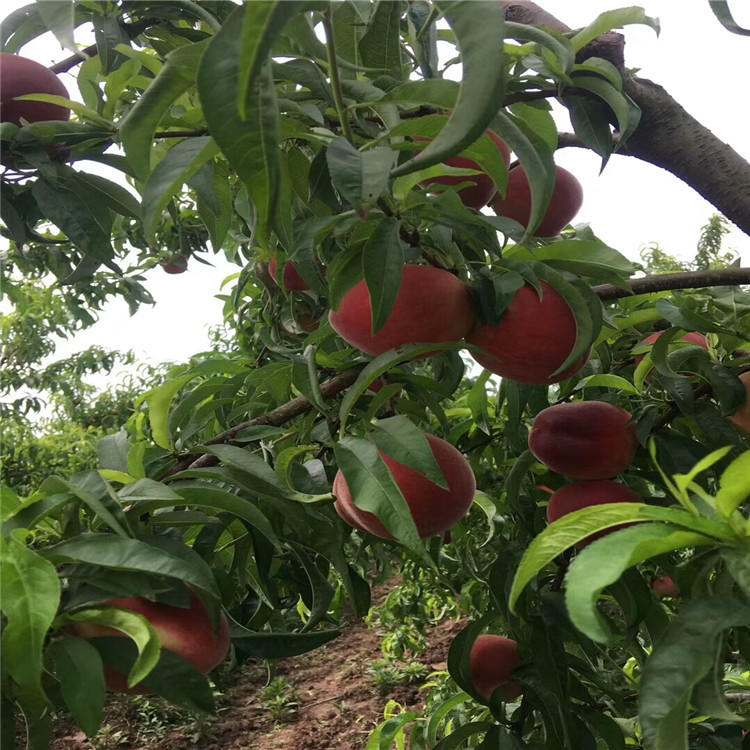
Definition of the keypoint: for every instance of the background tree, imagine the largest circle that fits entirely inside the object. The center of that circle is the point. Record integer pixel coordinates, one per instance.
(326, 136)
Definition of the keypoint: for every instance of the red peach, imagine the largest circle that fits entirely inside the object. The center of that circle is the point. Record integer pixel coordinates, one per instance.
(187, 632)
(432, 306)
(534, 337)
(20, 76)
(584, 440)
(293, 282)
(434, 509)
(566, 201)
(492, 661)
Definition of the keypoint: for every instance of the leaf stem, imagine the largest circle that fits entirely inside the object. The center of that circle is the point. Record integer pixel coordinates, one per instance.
(333, 72)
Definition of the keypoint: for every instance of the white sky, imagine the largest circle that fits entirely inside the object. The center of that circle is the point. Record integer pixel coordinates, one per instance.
(630, 205)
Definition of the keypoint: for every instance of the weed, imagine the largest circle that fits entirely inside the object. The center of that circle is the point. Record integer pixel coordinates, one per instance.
(387, 674)
(281, 701)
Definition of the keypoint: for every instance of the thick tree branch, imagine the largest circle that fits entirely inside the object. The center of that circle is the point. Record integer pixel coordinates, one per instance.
(667, 136)
(283, 414)
(686, 280)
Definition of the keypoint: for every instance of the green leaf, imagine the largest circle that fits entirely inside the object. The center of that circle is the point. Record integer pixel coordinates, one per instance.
(603, 562)
(249, 140)
(374, 489)
(134, 625)
(399, 438)
(279, 645)
(478, 26)
(591, 124)
(173, 678)
(379, 366)
(96, 494)
(201, 495)
(682, 657)
(114, 196)
(608, 381)
(88, 224)
(133, 554)
(59, 18)
(566, 532)
(721, 10)
(108, 34)
(262, 24)
(613, 19)
(537, 160)
(31, 596)
(436, 92)
(360, 177)
(171, 173)
(138, 126)
(158, 401)
(734, 485)
(382, 265)
(455, 740)
(380, 45)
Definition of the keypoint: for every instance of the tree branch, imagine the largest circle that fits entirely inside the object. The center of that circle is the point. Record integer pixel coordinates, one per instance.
(283, 414)
(686, 280)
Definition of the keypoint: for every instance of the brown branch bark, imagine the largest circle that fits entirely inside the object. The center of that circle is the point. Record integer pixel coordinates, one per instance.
(667, 136)
(686, 280)
(283, 414)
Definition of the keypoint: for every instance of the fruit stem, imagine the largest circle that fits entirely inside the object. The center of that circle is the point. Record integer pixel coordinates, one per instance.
(333, 72)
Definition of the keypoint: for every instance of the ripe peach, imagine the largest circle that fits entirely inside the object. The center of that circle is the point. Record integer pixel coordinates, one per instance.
(491, 663)
(534, 337)
(432, 306)
(187, 632)
(480, 193)
(177, 264)
(579, 495)
(566, 201)
(584, 440)
(20, 76)
(741, 418)
(663, 585)
(293, 282)
(433, 508)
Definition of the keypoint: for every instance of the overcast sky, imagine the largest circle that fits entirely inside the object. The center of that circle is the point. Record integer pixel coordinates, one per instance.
(629, 205)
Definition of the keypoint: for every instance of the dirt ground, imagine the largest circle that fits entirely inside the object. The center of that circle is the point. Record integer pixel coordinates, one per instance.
(339, 704)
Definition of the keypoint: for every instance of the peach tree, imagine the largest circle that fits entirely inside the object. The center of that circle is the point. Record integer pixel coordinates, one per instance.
(342, 422)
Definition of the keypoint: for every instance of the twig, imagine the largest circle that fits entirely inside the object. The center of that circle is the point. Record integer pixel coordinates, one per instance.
(284, 413)
(333, 72)
(181, 133)
(686, 280)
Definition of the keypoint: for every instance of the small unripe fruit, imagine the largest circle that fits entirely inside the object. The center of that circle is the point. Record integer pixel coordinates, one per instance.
(492, 661)
(534, 337)
(293, 282)
(579, 495)
(480, 193)
(432, 306)
(433, 508)
(187, 632)
(741, 418)
(584, 440)
(20, 76)
(565, 203)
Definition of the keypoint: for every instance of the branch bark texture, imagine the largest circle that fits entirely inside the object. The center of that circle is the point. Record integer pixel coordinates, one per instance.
(686, 280)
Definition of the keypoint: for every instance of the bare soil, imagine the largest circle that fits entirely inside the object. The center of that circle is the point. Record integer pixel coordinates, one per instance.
(339, 704)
